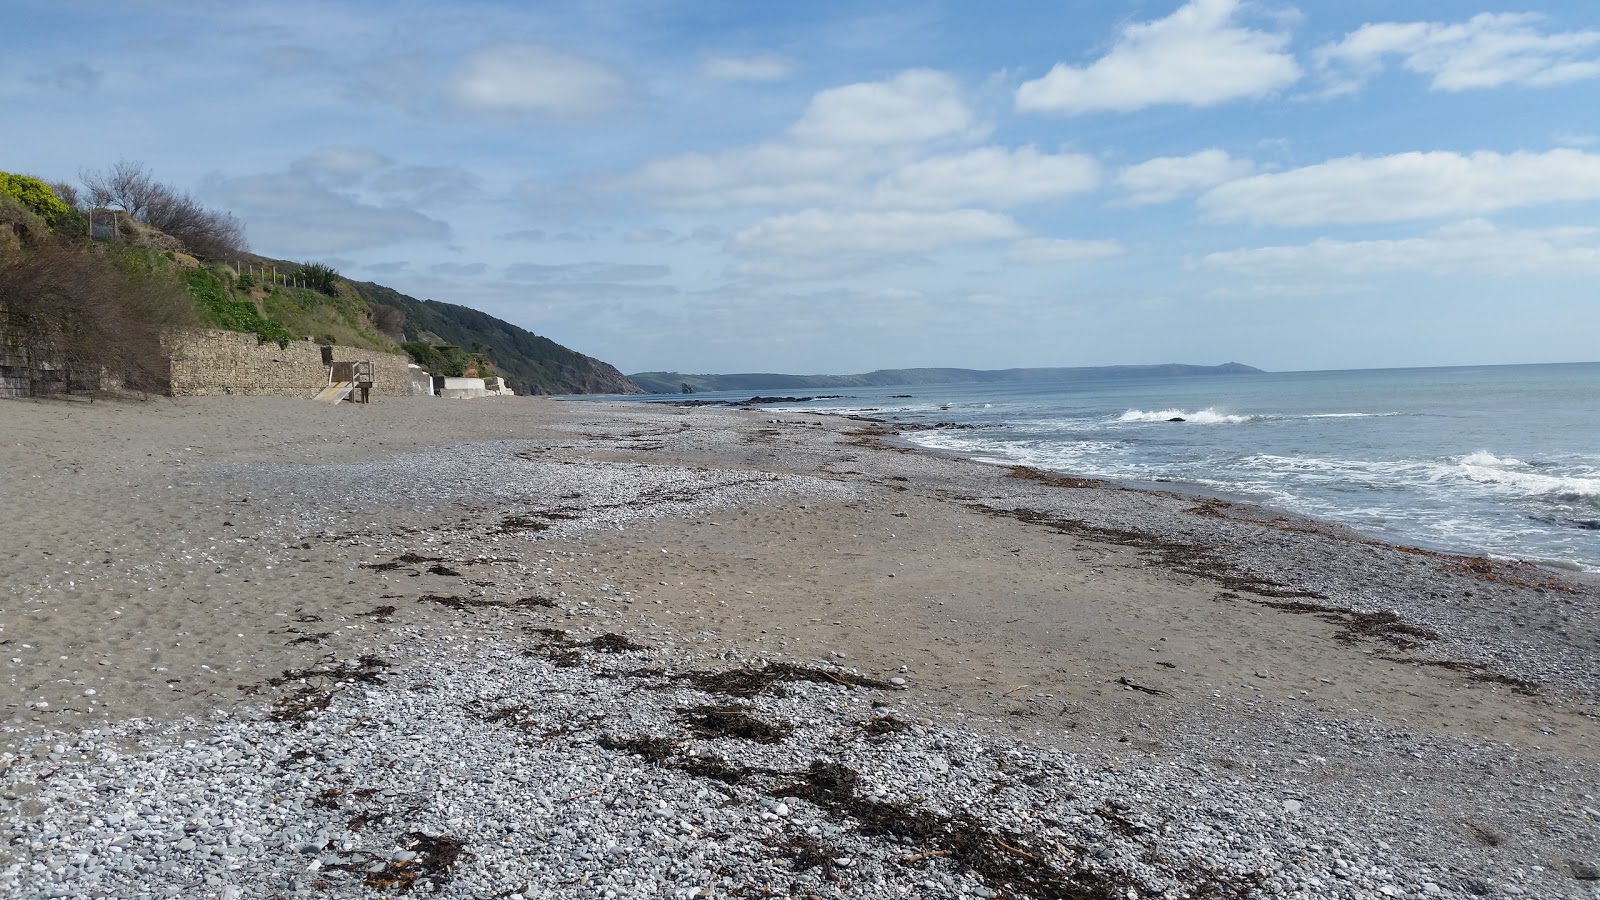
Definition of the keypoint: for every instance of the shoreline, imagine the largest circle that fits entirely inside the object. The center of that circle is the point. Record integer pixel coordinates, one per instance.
(1014, 609)
(1584, 567)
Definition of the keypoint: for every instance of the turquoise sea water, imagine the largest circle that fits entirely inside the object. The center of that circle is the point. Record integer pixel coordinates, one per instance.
(1499, 460)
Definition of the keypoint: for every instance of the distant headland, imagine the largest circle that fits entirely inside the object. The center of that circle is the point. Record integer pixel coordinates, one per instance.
(679, 383)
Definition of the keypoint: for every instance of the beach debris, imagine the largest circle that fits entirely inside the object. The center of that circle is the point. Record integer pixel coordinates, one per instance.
(1188, 559)
(614, 643)
(1131, 685)
(382, 614)
(1054, 480)
(441, 569)
(317, 685)
(805, 853)
(881, 727)
(747, 682)
(737, 721)
(424, 859)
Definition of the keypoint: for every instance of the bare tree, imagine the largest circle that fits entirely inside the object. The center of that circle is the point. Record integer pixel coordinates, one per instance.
(129, 186)
(68, 194)
(207, 233)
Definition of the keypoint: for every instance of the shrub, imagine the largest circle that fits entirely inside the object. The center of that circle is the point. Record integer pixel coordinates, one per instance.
(89, 313)
(389, 320)
(41, 200)
(320, 278)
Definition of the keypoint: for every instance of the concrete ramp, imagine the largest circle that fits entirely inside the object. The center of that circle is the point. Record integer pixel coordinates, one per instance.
(333, 393)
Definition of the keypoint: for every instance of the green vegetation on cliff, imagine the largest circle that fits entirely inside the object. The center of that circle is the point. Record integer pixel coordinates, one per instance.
(532, 364)
(85, 308)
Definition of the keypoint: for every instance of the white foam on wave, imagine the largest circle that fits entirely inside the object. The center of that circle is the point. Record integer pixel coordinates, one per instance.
(1207, 416)
(1515, 476)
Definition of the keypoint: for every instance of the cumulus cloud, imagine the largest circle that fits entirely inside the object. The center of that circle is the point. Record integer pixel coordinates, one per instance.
(1405, 186)
(293, 214)
(912, 107)
(847, 136)
(532, 79)
(1170, 177)
(766, 67)
(1198, 56)
(1489, 50)
(1056, 250)
(991, 176)
(589, 272)
(1475, 247)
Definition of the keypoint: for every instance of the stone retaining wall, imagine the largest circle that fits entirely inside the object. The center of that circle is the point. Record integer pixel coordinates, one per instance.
(231, 362)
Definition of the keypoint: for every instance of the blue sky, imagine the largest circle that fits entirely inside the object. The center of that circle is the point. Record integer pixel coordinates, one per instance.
(838, 187)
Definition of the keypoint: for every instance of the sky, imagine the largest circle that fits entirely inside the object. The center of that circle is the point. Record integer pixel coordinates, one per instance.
(835, 187)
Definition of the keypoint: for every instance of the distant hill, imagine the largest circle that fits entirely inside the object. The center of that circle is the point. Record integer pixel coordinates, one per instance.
(674, 382)
(532, 364)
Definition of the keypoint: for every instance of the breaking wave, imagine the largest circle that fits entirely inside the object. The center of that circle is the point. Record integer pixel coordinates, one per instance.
(1208, 416)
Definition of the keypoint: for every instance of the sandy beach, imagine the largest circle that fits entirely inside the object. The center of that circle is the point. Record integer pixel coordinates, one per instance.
(1214, 699)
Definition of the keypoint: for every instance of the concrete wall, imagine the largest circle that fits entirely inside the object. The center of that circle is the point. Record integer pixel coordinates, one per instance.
(231, 362)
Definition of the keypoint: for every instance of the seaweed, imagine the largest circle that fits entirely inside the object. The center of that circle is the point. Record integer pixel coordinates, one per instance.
(881, 727)
(614, 643)
(1052, 479)
(651, 748)
(299, 705)
(735, 722)
(1188, 559)
(805, 853)
(435, 856)
(747, 682)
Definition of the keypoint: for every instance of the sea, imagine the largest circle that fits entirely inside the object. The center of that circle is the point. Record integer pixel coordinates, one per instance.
(1500, 461)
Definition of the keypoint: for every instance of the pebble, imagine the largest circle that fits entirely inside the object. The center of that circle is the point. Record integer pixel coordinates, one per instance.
(534, 812)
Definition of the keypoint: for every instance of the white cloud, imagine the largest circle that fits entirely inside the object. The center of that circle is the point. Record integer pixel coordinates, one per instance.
(1406, 186)
(1472, 247)
(1055, 250)
(846, 136)
(1170, 177)
(987, 176)
(1198, 56)
(769, 174)
(914, 106)
(766, 67)
(521, 78)
(815, 232)
(292, 214)
(1488, 50)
